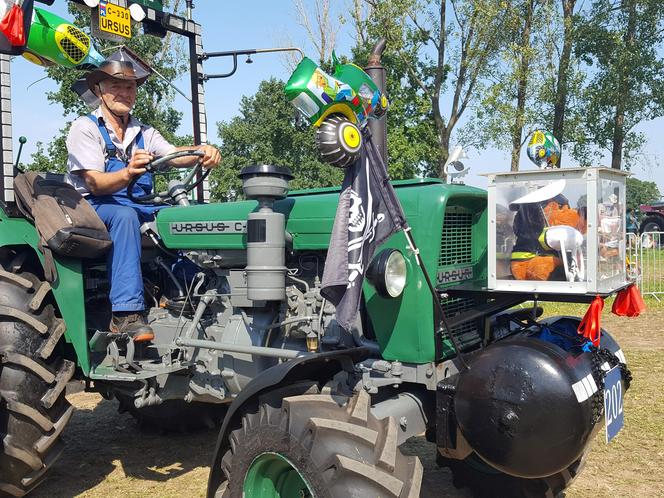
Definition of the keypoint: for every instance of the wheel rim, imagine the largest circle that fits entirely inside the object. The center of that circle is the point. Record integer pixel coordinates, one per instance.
(272, 476)
(351, 137)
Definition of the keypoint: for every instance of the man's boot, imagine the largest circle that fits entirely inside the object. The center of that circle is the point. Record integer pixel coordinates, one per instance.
(133, 324)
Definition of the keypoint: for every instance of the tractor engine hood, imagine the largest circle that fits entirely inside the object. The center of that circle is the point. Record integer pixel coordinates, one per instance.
(309, 216)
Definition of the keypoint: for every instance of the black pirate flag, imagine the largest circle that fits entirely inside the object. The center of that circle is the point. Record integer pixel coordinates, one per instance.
(367, 214)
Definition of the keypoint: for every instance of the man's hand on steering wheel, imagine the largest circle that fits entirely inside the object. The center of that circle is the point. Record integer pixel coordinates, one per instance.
(211, 157)
(161, 166)
(136, 165)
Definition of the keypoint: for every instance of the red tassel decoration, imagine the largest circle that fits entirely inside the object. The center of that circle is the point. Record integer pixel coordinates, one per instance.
(629, 302)
(11, 25)
(590, 325)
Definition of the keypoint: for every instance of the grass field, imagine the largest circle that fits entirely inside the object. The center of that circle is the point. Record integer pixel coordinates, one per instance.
(107, 456)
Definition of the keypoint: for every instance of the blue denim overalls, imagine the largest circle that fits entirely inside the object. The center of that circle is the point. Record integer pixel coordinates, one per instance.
(123, 219)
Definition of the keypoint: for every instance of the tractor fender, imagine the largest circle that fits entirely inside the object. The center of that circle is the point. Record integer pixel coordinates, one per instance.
(21, 235)
(320, 367)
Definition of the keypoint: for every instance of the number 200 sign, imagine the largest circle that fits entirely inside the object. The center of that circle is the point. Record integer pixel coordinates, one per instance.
(613, 403)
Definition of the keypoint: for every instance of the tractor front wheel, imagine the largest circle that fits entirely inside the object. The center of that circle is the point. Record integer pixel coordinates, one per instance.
(318, 445)
(33, 377)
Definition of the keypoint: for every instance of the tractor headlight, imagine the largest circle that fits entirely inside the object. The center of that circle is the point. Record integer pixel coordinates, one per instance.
(387, 273)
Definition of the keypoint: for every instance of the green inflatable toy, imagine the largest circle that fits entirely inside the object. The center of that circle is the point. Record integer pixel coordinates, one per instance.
(53, 40)
(339, 106)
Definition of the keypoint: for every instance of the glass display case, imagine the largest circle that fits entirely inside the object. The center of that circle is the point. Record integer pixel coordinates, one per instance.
(557, 231)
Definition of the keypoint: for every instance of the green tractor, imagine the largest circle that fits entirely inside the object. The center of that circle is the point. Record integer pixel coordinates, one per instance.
(244, 338)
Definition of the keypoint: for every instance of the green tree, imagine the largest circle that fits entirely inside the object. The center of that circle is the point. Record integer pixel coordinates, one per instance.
(641, 192)
(50, 157)
(437, 59)
(268, 131)
(562, 88)
(619, 41)
(511, 105)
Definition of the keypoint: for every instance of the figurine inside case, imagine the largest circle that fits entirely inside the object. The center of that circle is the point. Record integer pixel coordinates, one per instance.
(557, 230)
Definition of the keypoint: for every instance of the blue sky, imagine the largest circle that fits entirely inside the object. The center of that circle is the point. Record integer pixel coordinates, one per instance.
(231, 25)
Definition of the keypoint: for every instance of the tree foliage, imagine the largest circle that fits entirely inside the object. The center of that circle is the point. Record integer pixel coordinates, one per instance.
(438, 54)
(641, 192)
(512, 104)
(619, 40)
(267, 131)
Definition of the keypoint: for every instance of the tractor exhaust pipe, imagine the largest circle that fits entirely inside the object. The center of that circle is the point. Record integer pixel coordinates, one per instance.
(376, 70)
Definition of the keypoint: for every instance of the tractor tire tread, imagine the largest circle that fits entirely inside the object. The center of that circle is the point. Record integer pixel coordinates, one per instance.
(21, 360)
(16, 279)
(63, 376)
(33, 377)
(31, 413)
(31, 459)
(342, 449)
(54, 336)
(38, 298)
(11, 490)
(31, 480)
(25, 318)
(46, 442)
(380, 479)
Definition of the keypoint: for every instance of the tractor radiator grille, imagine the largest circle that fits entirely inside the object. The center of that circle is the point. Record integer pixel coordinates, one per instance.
(467, 334)
(456, 239)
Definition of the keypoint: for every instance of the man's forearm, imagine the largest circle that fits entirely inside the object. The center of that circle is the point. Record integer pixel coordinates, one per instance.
(106, 183)
(187, 161)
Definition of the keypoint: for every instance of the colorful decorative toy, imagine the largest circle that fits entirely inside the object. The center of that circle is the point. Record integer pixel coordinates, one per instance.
(337, 105)
(544, 149)
(549, 236)
(53, 40)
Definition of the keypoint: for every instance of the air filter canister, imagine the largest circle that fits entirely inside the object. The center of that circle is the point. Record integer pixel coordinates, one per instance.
(266, 232)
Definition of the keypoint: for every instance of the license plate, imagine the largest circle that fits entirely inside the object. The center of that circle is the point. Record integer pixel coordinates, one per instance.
(613, 403)
(114, 19)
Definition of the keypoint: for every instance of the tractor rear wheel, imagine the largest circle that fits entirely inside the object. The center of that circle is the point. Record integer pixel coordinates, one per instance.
(318, 445)
(486, 482)
(33, 377)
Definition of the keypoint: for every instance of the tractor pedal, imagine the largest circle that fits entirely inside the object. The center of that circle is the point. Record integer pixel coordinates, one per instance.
(101, 340)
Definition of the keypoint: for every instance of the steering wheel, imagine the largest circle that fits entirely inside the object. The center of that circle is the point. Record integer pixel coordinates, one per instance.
(160, 167)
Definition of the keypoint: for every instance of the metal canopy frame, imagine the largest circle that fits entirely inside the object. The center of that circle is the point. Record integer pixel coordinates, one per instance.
(155, 22)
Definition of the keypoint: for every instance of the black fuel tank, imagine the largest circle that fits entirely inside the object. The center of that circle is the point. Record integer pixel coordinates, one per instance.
(526, 406)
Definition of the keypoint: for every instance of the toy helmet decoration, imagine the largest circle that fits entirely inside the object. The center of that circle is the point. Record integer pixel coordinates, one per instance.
(339, 106)
(121, 64)
(544, 149)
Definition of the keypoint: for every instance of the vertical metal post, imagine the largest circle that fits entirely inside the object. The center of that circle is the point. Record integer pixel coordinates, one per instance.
(6, 152)
(198, 98)
(376, 70)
